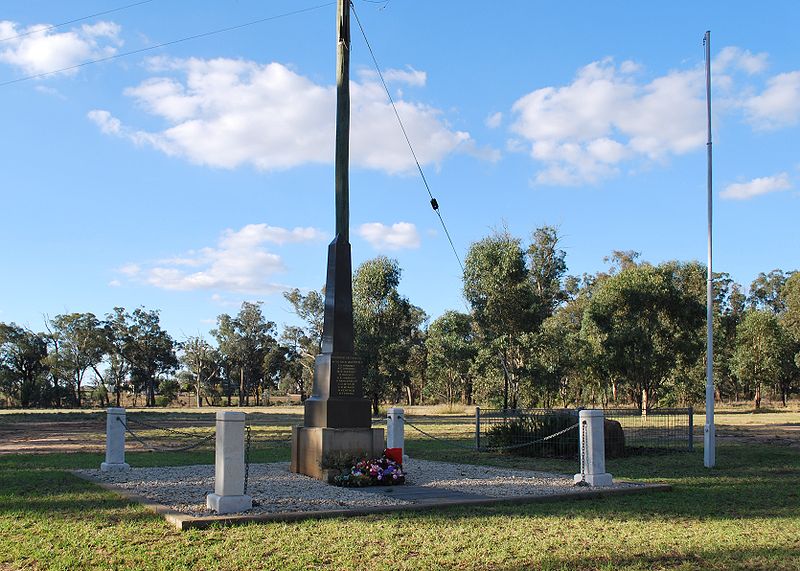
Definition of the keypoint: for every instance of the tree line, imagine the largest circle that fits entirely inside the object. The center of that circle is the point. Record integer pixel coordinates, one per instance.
(530, 335)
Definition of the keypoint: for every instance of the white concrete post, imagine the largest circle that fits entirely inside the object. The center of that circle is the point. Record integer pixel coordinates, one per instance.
(115, 441)
(592, 449)
(228, 496)
(395, 429)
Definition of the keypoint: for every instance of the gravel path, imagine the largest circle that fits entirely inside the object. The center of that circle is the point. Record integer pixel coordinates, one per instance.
(275, 489)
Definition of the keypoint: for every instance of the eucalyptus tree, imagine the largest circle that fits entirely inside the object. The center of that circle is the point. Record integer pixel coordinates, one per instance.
(151, 351)
(643, 323)
(547, 268)
(81, 345)
(202, 362)
(23, 368)
(244, 342)
(304, 342)
(451, 351)
(386, 327)
(763, 353)
(766, 291)
(498, 288)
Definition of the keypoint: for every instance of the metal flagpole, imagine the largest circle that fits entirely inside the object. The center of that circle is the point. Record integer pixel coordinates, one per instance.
(709, 432)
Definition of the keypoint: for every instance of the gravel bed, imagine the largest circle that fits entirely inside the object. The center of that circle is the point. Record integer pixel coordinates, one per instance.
(274, 489)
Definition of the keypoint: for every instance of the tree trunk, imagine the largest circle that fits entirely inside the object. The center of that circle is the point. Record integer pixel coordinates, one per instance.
(241, 386)
(757, 398)
(375, 404)
(409, 396)
(199, 399)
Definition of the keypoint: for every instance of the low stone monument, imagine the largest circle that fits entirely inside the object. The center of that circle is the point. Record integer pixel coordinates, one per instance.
(115, 441)
(591, 448)
(229, 465)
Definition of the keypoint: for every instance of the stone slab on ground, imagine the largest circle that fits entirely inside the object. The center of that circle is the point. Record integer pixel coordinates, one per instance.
(179, 493)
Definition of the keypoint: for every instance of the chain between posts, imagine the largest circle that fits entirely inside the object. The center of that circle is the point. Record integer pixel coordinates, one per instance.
(141, 441)
(490, 448)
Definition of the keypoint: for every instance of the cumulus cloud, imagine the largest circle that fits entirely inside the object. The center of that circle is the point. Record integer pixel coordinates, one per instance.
(239, 262)
(734, 58)
(227, 113)
(757, 187)
(37, 49)
(584, 132)
(398, 236)
(778, 105)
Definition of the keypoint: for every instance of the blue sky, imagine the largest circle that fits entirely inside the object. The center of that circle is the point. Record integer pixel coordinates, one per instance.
(195, 176)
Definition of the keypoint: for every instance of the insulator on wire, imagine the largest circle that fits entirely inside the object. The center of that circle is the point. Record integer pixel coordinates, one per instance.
(434, 204)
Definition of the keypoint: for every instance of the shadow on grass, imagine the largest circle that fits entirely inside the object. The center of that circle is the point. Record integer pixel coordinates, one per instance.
(772, 559)
(53, 493)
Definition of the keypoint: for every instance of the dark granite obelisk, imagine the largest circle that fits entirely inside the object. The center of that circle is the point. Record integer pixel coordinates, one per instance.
(337, 397)
(337, 416)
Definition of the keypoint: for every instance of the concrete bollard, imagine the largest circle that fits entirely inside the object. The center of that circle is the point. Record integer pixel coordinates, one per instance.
(228, 496)
(592, 449)
(115, 441)
(395, 431)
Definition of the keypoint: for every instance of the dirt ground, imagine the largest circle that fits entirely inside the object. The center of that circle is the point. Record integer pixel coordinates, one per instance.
(84, 431)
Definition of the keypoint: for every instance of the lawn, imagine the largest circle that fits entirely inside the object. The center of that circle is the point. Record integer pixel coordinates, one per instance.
(744, 514)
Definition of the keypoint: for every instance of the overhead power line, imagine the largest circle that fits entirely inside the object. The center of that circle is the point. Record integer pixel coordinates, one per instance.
(434, 202)
(164, 44)
(81, 19)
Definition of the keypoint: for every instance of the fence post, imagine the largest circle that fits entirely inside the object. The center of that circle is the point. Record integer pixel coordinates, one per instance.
(395, 429)
(115, 441)
(477, 429)
(691, 429)
(229, 468)
(592, 449)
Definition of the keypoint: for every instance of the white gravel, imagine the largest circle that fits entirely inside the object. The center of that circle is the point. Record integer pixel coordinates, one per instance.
(275, 489)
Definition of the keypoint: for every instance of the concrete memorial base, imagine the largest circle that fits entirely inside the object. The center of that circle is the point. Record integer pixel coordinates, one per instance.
(595, 479)
(114, 466)
(314, 447)
(228, 504)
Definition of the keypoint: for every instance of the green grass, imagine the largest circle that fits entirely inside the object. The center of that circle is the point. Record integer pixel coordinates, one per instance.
(744, 514)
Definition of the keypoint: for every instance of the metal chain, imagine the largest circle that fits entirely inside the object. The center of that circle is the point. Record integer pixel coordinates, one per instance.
(246, 457)
(490, 448)
(164, 428)
(583, 456)
(142, 441)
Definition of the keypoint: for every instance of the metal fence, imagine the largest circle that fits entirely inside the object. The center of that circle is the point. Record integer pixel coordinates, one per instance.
(627, 431)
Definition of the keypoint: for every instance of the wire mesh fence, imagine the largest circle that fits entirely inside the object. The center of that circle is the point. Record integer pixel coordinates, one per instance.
(627, 431)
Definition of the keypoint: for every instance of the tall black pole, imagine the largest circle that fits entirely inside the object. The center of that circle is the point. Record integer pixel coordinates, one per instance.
(343, 121)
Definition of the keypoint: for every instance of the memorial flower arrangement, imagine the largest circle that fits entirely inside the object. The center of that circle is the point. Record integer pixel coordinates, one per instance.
(381, 471)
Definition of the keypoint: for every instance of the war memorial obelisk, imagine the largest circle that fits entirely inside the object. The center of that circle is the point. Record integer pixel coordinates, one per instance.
(337, 419)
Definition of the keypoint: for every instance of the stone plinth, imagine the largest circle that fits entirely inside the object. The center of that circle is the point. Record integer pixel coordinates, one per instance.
(592, 449)
(115, 441)
(229, 468)
(313, 447)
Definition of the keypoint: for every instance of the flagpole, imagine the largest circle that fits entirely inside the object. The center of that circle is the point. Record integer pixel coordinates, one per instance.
(709, 431)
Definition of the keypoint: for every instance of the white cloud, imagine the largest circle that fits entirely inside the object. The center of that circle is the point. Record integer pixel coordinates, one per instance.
(398, 236)
(583, 132)
(757, 187)
(238, 263)
(409, 76)
(735, 58)
(114, 283)
(227, 113)
(778, 105)
(494, 119)
(36, 49)
(107, 124)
